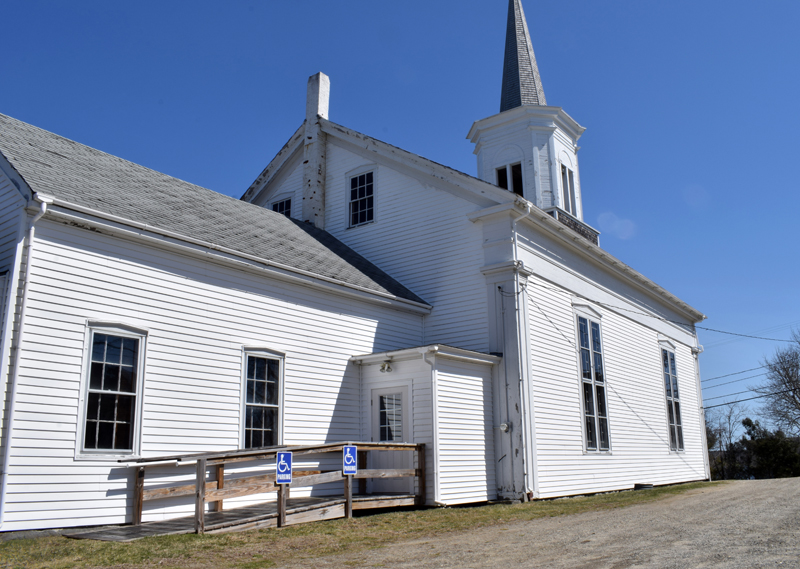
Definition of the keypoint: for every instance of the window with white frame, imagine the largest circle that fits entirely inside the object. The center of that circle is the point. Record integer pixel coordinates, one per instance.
(510, 178)
(283, 206)
(112, 393)
(262, 400)
(593, 386)
(673, 400)
(390, 419)
(362, 207)
(568, 190)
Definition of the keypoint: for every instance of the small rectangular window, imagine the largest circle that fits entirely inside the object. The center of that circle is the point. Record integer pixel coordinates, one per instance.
(262, 401)
(568, 190)
(361, 199)
(111, 393)
(673, 402)
(510, 178)
(391, 417)
(593, 381)
(284, 207)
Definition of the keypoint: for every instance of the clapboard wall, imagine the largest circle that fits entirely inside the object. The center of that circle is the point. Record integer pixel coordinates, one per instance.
(465, 432)
(11, 215)
(421, 236)
(199, 314)
(633, 324)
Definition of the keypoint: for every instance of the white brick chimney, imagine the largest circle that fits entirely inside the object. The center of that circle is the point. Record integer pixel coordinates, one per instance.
(317, 101)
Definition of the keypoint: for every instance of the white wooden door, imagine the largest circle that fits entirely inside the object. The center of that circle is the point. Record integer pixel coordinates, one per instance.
(390, 424)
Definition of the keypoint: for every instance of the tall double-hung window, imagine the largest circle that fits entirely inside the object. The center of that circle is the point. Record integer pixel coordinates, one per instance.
(673, 400)
(593, 386)
(113, 392)
(262, 400)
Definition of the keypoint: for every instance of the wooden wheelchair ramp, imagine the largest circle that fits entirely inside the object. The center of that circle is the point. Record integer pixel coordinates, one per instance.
(298, 511)
(285, 510)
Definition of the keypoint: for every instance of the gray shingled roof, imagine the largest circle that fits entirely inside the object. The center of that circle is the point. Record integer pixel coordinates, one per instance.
(521, 82)
(81, 175)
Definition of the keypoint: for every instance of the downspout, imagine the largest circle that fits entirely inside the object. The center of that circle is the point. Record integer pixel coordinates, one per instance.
(520, 360)
(435, 418)
(43, 201)
(696, 351)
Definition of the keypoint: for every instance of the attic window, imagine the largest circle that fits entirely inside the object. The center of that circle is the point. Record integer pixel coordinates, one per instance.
(284, 207)
(513, 174)
(361, 199)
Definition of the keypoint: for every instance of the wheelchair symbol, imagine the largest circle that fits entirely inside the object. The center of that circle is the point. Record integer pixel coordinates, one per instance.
(284, 468)
(350, 454)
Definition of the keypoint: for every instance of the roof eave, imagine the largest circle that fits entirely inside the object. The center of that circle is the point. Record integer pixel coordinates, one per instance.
(542, 220)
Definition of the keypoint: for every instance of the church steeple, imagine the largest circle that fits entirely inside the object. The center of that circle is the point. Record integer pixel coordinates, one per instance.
(521, 82)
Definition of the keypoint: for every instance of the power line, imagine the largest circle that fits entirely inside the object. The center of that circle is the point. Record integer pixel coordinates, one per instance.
(667, 319)
(729, 382)
(742, 335)
(748, 399)
(728, 395)
(734, 373)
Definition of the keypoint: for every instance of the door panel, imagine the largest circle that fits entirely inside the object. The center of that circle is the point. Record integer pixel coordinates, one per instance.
(390, 423)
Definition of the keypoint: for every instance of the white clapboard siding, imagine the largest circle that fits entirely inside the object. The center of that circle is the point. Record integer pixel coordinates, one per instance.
(11, 213)
(422, 237)
(198, 316)
(636, 403)
(414, 375)
(466, 440)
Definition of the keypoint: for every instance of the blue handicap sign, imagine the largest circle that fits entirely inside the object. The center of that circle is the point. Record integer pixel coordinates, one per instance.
(349, 460)
(283, 469)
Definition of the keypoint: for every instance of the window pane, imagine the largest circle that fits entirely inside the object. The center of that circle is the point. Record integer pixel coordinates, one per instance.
(601, 402)
(603, 433)
(677, 413)
(672, 438)
(105, 435)
(680, 437)
(260, 392)
(390, 417)
(675, 386)
(591, 438)
(122, 438)
(586, 364)
(670, 413)
(665, 359)
(96, 376)
(125, 405)
(595, 337)
(90, 436)
(99, 348)
(261, 368)
(93, 406)
(672, 364)
(598, 367)
(126, 379)
(584, 332)
(588, 400)
(111, 378)
(108, 404)
(113, 349)
(516, 178)
(502, 178)
(129, 349)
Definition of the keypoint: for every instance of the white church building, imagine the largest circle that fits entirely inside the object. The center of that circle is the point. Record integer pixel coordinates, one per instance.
(143, 316)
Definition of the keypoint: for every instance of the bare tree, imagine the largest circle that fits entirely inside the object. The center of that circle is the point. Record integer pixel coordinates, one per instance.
(782, 387)
(726, 424)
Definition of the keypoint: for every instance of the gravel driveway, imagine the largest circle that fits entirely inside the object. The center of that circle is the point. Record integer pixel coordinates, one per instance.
(742, 524)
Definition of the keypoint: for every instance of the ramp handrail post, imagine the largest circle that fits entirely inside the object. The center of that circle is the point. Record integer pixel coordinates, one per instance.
(200, 497)
(421, 490)
(138, 495)
(348, 496)
(220, 485)
(282, 491)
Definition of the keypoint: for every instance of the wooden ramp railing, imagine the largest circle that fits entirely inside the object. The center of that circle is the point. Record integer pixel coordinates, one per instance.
(262, 480)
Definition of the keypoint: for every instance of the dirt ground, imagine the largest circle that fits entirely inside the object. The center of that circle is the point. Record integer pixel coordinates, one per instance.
(743, 524)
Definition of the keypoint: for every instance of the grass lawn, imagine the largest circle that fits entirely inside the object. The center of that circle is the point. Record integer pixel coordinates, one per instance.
(268, 548)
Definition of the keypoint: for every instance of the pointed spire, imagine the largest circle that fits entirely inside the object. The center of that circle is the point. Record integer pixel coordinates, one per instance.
(521, 82)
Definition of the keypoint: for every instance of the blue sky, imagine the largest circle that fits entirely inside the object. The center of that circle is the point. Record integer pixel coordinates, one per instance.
(690, 107)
